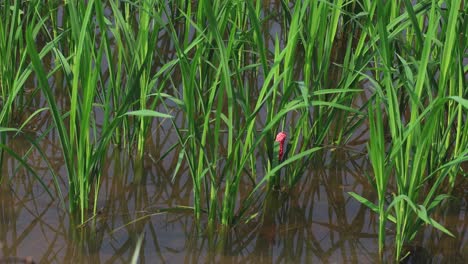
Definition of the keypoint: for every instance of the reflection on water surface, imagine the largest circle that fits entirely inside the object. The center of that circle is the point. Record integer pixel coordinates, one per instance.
(316, 222)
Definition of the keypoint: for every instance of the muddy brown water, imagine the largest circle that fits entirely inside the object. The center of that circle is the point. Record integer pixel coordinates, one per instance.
(316, 222)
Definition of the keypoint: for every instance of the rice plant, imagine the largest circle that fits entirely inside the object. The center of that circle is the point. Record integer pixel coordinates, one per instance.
(83, 145)
(14, 70)
(220, 106)
(240, 73)
(424, 152)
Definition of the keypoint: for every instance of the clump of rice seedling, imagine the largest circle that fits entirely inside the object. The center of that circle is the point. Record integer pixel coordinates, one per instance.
(421, 154)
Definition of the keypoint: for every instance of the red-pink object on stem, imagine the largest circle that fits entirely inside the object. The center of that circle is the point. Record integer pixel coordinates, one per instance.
(281, 137)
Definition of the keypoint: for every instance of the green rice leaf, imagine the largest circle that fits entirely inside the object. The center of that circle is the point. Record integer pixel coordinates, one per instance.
(148, 113)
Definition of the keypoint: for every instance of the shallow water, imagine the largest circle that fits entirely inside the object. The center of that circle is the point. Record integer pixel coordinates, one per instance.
(316, 222)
